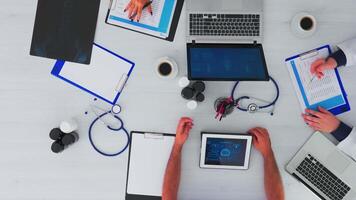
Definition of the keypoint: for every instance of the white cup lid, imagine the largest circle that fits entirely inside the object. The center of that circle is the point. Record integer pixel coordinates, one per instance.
(192, 105)
(183, 82)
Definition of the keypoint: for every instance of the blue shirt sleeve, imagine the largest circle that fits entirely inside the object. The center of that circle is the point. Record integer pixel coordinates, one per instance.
(342, 131)
(340, 57)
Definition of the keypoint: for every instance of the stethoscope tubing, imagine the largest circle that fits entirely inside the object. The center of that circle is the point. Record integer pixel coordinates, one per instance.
(110, 128)
(247, 97)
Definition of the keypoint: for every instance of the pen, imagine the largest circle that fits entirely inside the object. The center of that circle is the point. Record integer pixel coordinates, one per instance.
(311, 80)
(145, 6)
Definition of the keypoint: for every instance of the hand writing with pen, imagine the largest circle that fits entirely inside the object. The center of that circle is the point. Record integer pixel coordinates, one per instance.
(135, 8)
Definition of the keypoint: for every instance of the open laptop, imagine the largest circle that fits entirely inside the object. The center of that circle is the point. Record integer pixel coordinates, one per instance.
(324, 169)
(226, 34)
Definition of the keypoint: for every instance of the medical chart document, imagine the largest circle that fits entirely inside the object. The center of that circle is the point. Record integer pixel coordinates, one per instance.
(158, 24)
(312, 92)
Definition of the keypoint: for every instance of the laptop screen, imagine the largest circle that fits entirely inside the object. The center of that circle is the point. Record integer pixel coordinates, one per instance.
(226, 62)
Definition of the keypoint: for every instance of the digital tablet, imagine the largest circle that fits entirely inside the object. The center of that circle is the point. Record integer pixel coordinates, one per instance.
(225, 151)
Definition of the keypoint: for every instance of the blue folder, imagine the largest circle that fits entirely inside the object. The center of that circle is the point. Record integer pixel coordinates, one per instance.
(121, 79)
(334, 105)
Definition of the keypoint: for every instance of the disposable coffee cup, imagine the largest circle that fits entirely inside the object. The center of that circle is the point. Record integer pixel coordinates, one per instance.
(303, 25)
(166, 68)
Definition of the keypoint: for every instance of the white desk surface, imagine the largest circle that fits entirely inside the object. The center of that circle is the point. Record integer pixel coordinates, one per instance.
(32, 102)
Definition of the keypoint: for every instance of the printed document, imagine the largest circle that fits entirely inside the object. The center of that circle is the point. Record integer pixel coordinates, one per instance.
(157, 24)
(313, 92)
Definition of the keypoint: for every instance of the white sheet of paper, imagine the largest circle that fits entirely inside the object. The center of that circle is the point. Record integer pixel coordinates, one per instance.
(148, 161)
(102, 76)
(316, 90)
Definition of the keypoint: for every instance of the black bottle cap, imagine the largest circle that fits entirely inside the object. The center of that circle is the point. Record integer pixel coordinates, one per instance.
(199, 86)
(68, 139)
(57, 147)
(187, 93)
(200, 97)
(56, 134)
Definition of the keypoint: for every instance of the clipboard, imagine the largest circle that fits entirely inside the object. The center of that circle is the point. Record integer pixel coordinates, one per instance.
(148, 157)
(134, 26)
(336, 109)
(107, 67)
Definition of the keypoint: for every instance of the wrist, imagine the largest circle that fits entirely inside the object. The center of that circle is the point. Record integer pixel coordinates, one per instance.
(178, 145)
(337, 125)
(332, 62)
(267, 154)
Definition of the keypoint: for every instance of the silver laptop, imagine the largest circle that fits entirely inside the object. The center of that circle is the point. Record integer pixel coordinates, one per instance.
(324, 169)
(237, 21)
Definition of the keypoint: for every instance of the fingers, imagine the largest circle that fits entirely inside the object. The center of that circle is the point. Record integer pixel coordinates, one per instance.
(128, 6)
(308, 118)
(139, 13)
(185, 120)
(315, 65)
(259, 133)
(149, 8)
(315, 126)
(315, 113)
(320, 75)
(132, 11)
(323, 110)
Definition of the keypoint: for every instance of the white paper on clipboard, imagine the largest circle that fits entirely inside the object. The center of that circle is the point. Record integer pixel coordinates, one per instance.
(149, 154)
(105, 77)
(314, 92)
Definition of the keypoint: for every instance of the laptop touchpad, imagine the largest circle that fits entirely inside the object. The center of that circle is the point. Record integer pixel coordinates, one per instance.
(337, 161)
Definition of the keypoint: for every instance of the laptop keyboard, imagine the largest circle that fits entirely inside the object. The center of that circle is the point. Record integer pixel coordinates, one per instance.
(224, 24)
(322, 178)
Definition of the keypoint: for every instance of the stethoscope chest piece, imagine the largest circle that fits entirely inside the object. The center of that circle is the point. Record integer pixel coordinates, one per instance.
(252, 108)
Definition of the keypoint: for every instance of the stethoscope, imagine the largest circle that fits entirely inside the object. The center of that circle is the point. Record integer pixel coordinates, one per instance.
(254, 107)
(115, 110)
(224, 106)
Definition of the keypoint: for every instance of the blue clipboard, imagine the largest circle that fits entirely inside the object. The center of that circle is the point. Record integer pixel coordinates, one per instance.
(335, 110)
(123, 78)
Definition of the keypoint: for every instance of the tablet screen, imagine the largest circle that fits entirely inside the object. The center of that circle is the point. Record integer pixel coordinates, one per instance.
(225, 151)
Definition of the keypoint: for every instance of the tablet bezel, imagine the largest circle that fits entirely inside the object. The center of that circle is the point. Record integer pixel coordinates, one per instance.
(206, 135)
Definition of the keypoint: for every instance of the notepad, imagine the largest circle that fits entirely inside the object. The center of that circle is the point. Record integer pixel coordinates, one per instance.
(149, 155)
(327, 92)
(104, 78)
(161, 24)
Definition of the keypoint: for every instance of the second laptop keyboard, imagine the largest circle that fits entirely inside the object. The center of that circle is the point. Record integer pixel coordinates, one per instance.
(322, 178)
(224, 24)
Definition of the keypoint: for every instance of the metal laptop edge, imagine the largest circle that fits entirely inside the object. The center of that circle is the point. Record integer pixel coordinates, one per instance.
(323, 149)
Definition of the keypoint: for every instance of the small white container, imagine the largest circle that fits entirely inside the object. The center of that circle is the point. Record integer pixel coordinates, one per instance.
(192, 105)
(68, 126)
(183, 82)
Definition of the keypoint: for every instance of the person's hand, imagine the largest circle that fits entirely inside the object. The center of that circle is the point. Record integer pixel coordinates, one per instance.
(323, 120)
(135, 7)
(319, 66)
(261, 141)
(184, 126)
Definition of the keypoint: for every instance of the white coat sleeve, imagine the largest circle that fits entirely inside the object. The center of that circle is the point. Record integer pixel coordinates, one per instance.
(349, 49)
(348, 145)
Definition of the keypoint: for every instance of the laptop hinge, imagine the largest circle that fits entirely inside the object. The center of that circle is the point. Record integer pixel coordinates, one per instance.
(254, 42)
(193, 41)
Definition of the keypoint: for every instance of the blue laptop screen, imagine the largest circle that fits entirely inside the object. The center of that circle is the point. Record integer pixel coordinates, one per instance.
(226, 62)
